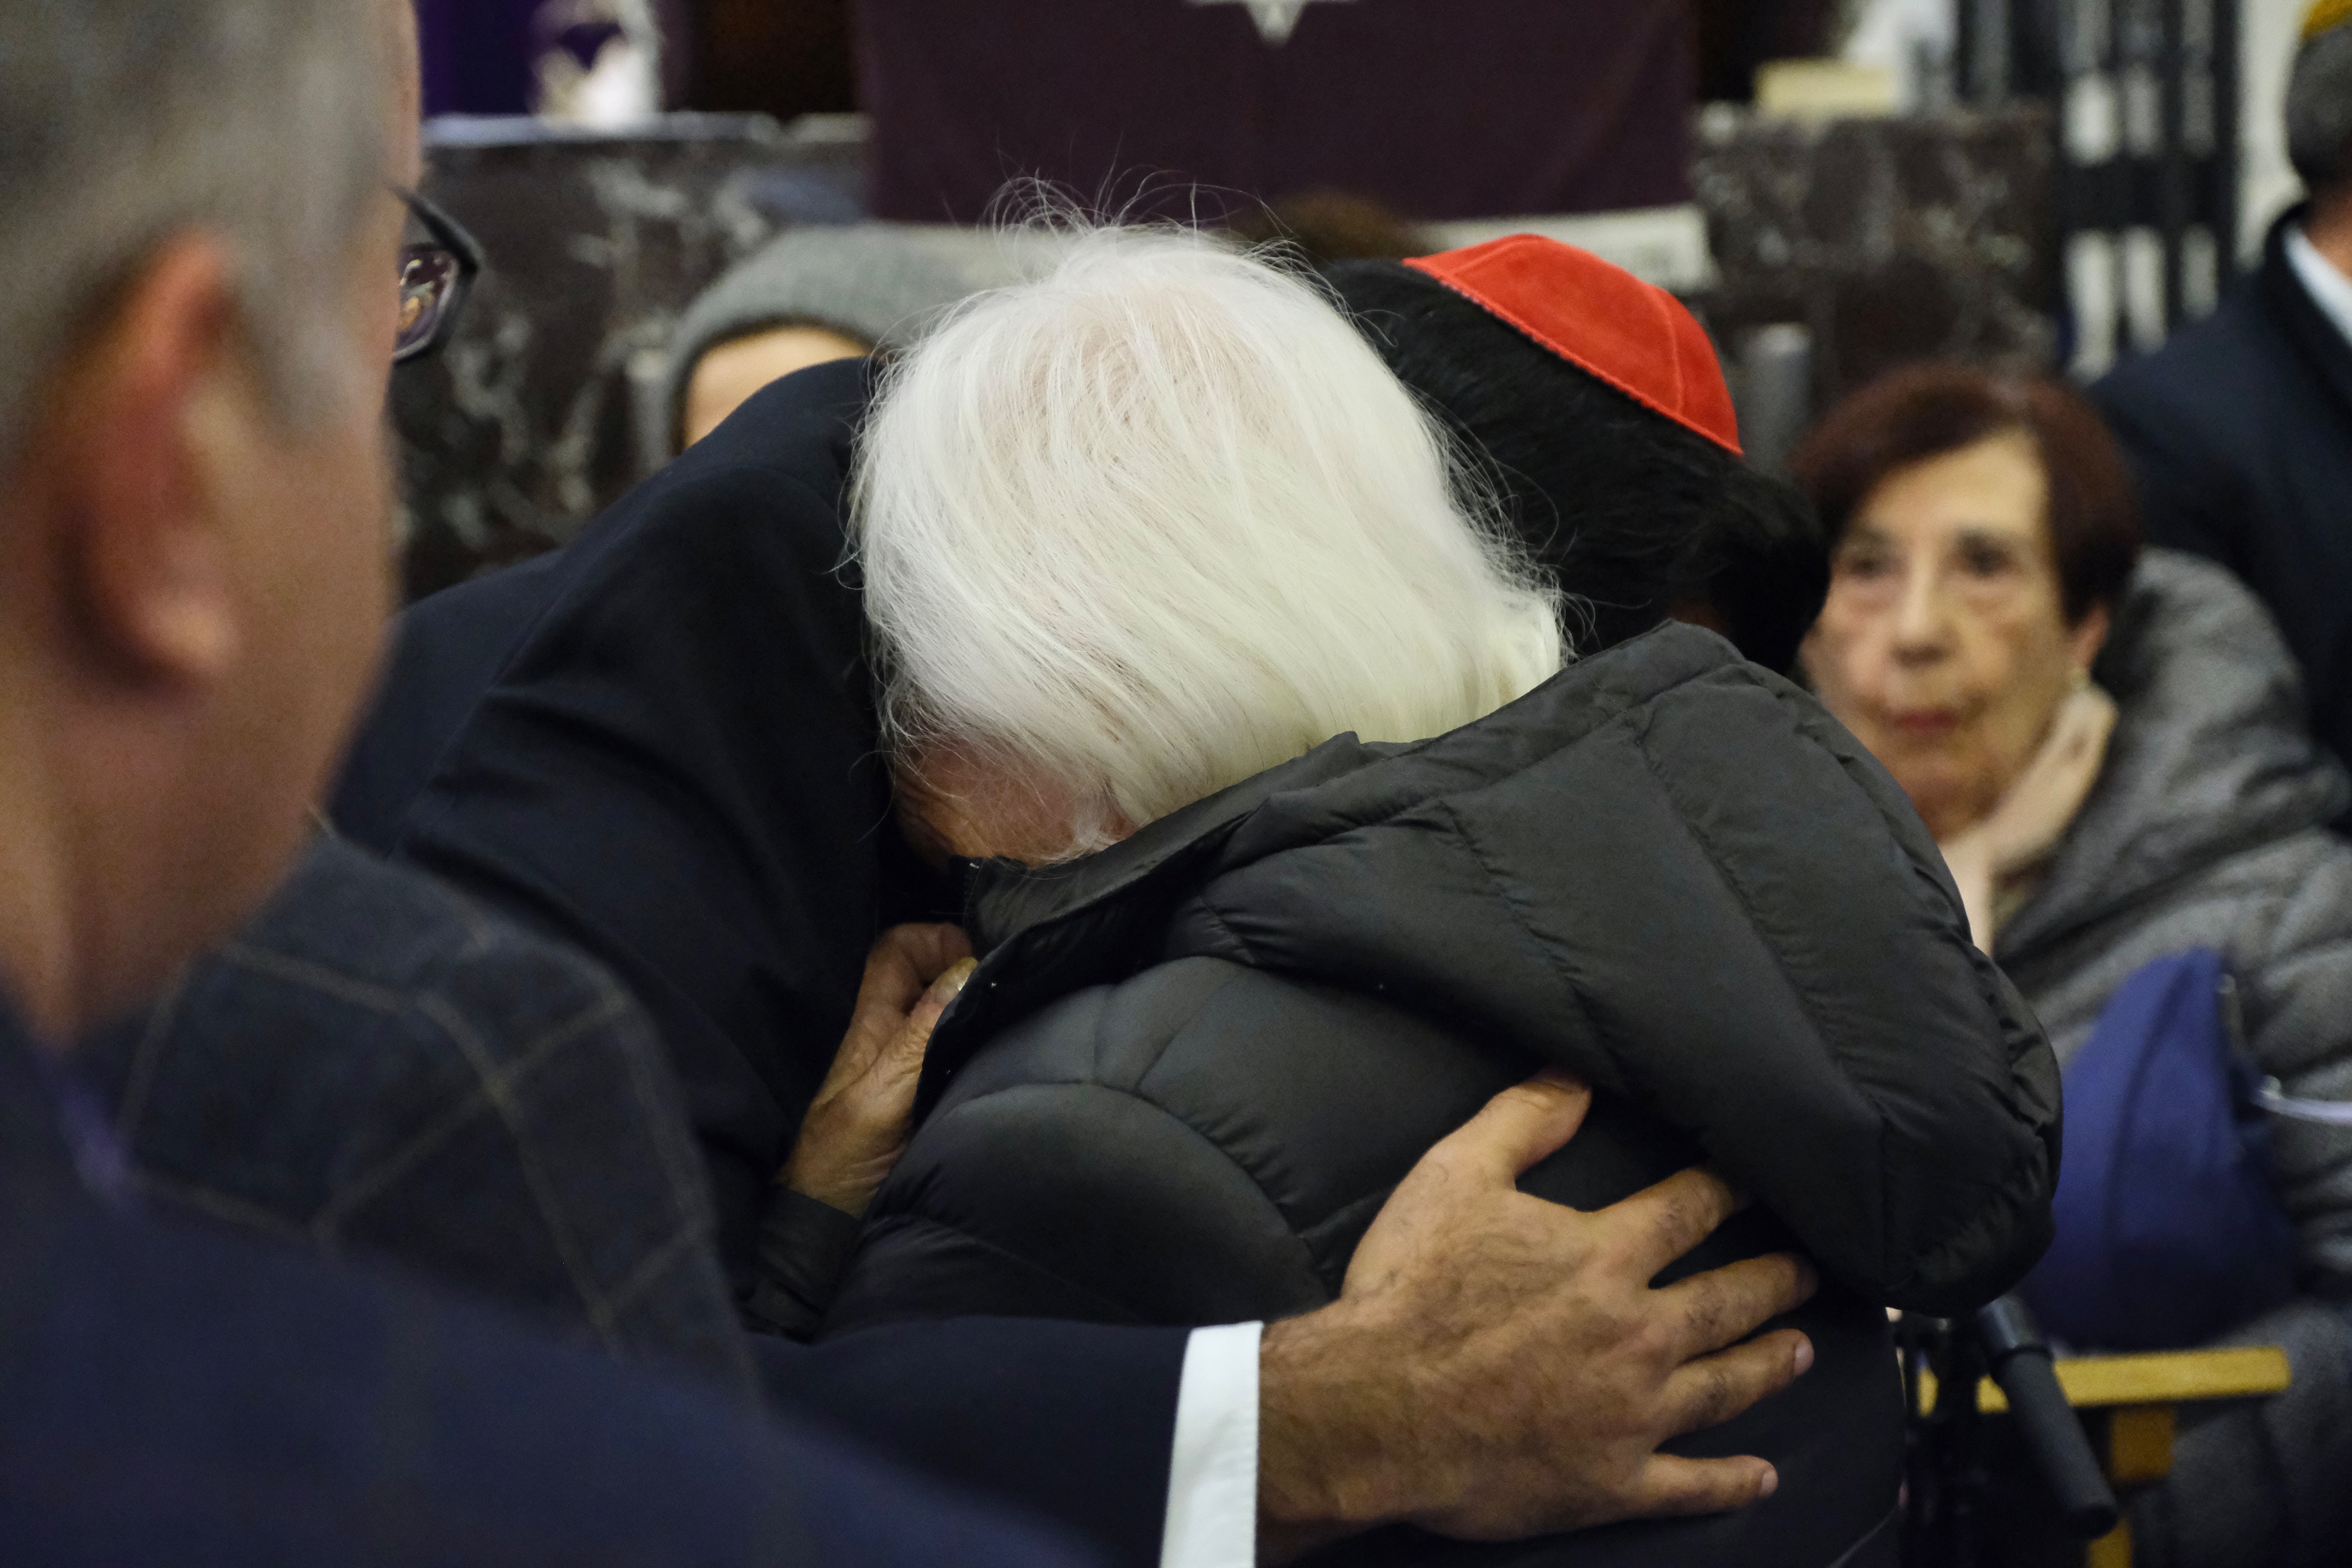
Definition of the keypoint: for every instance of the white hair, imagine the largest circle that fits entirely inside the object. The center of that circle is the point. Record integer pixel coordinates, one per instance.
(124, 121)
(1161, 520)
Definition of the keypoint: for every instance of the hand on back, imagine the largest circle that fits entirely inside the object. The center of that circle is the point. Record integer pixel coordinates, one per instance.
(1499, 1366)
(1496, 1366)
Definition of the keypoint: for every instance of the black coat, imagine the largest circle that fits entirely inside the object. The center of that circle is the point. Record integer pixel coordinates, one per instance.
(659, 745)
(2239, 431)
(1192, 1067)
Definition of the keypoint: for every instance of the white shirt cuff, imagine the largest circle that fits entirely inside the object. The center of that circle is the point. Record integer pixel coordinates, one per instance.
(2329, 289)
(1213, 1479)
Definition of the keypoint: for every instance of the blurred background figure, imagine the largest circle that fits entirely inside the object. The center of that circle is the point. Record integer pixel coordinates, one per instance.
(597, 62)
(2240, 430)
(842, 292)
(815, 295)
(2110, 746)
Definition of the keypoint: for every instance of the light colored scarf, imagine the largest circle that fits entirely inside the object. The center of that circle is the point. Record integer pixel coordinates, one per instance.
(2000, 861)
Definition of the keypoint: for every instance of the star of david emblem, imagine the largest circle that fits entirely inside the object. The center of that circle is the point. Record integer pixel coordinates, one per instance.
(1276, 19)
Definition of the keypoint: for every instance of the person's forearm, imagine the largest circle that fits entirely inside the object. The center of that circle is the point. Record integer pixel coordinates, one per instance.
(1321, 1465)
(1069, 1421)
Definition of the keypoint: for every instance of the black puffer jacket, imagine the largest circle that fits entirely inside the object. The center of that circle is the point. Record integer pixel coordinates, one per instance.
(1192, 1067)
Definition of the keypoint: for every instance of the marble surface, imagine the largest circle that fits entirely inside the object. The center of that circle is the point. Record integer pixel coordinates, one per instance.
(542, 412)
(1888, 240)
(1891, 240)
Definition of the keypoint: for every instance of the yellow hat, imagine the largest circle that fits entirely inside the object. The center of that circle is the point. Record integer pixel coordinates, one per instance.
(2326, 15)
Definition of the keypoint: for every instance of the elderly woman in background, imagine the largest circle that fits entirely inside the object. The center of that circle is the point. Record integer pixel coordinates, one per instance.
(1985, 569)
(1300, 840)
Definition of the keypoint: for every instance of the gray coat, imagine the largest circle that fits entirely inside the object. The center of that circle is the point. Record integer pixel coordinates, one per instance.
(2205, 829)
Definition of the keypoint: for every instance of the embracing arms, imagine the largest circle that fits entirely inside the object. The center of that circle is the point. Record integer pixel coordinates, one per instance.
(1496, 1367)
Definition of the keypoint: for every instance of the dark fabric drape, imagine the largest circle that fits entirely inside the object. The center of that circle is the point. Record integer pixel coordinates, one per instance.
(1469, 108)
(477, 55)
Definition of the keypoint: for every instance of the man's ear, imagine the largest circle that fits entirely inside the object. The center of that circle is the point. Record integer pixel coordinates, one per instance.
(145, 559)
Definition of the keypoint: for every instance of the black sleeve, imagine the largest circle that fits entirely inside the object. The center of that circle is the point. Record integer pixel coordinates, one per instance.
(2186, 501)
(804, 1245)
(1073, 1423)
(677, 773)
(447, 652)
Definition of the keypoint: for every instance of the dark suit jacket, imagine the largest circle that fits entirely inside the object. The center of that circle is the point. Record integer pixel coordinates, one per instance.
(659, 745)
(181, 1395)
(2240, 430)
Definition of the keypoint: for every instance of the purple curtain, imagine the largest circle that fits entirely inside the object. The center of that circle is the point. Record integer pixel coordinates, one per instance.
(1442, 108)
(478, 55)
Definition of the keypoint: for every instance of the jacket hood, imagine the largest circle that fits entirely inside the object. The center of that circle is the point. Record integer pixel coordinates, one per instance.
(1665, 870)
(2212, 755)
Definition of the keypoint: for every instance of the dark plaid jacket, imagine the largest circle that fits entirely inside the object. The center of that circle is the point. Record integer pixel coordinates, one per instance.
(374, 1065)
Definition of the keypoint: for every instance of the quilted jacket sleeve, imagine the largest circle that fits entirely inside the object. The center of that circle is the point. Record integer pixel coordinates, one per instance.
(1203, 1144)
(2295, 975)
(1712, 901)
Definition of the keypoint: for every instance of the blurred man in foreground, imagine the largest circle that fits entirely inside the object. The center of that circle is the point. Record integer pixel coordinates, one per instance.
(193, 582)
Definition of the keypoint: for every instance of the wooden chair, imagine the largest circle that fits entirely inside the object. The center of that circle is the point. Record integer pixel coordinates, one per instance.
(2130, 1406)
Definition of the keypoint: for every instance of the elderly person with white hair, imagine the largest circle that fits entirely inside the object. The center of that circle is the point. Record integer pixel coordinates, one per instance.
(1298, 838)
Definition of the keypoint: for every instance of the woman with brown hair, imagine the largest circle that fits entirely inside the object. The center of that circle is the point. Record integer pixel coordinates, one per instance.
(2111, 746)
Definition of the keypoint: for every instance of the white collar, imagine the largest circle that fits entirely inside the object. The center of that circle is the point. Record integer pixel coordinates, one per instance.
(2329, 289)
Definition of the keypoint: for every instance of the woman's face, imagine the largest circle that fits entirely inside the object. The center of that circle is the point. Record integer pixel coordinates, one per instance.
(1944, 646)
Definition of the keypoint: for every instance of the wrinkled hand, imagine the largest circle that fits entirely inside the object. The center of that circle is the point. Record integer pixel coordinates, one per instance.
(1498, 1366)
(859, 1123)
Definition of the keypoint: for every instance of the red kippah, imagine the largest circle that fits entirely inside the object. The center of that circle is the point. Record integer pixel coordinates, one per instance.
(1632, 334)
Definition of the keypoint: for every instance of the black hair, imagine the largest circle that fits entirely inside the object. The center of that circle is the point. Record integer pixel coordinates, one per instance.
(1632, 514)
(2319, 112)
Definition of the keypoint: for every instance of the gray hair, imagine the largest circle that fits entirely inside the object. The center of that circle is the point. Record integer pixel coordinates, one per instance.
(124, 122)
(2319, 110)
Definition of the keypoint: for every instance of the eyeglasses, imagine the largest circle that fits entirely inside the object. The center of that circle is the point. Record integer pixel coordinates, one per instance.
(435, 280)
